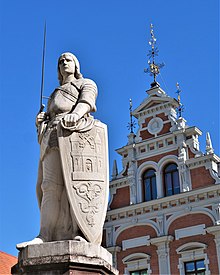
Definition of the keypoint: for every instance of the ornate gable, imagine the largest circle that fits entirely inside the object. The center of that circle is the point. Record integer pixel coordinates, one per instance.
(156, 114)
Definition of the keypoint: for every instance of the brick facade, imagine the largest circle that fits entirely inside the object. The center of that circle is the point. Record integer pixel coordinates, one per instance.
(160, 235)
(201, 177)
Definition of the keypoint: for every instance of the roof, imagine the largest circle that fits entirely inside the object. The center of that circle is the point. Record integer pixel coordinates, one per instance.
(6, 262)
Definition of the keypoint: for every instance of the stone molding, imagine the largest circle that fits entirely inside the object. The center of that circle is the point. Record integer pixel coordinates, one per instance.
(190, 231)
(163, 250)
(155, 125)
(159, 108)
(160, 213)
(135, 242)
(114, 250)
(190, 252)
(215, 230)
(137, 261)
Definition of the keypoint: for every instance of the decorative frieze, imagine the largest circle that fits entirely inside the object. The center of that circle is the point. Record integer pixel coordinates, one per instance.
(186, 201)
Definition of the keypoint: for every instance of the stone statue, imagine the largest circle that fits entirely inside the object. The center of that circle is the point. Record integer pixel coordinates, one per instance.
(72, 186)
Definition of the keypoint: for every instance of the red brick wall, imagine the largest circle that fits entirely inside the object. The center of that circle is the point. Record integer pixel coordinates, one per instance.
(146, 122)
(166, 129)
(201, 177)
(208, 239)
(191, 154)
(121, 198)
(189, 220)
(145, 135)
(135, 232)
(162, 116)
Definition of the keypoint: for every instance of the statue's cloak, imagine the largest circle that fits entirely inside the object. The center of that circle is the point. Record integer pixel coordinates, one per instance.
(84, 157)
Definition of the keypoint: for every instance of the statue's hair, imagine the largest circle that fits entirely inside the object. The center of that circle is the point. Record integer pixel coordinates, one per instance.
(77, 66)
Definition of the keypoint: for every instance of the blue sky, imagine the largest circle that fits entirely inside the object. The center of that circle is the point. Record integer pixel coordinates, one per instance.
(110, 38)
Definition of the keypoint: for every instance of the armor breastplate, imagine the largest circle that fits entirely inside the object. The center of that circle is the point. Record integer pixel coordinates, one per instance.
(62, 100)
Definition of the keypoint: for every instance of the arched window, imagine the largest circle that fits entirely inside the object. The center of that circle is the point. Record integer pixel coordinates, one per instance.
(171, 180)
(149, 185)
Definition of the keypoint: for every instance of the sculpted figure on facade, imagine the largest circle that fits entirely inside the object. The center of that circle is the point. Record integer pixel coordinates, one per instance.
(72, 185)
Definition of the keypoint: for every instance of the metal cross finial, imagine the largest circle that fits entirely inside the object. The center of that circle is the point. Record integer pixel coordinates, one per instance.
(154, 68)
(180, 108)
(131, 124)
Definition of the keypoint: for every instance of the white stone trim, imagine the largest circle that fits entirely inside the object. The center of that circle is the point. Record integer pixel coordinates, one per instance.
(158, 109)
(201, 161)
(139, 175)
(162, 163)
(114, 250)
(190, 231)
(165, 160)
(137, 261)
(152, 129)
(191, 252)
(131, 224)
(158, 167)
(163, 250)
(215, 230)
(135, 242)
(193, 201)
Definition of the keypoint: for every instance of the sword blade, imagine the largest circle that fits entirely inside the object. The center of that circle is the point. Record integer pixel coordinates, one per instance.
(42, 71)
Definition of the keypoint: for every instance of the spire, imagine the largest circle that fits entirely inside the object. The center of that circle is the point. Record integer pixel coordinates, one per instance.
(180, 108)
(131, 124)
(154, 68)
(209, 148)
(114, 170)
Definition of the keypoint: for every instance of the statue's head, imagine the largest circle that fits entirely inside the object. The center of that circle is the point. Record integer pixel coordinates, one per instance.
(76, 70)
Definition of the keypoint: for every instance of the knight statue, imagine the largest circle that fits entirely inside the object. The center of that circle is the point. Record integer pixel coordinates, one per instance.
(72, 185)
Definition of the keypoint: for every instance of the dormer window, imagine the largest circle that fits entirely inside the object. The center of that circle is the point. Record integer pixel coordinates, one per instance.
(171, 180)
(149, 185)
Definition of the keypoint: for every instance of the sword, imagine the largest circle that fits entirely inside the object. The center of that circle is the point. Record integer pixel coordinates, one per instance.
(42, 72)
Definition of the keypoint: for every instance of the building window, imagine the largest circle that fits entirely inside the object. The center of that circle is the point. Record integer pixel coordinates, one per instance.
(139, 272)
(171, 180)
(193, 259)
(195, 267)
(149, 185)
(137, 264)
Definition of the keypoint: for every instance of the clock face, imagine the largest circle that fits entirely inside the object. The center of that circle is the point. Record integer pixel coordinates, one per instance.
(155, 125)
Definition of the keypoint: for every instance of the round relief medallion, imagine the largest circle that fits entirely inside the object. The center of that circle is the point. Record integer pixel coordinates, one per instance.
(155, 125)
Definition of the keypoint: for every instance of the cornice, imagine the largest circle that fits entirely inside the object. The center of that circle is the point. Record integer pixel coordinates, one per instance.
(155, 109)
(201, 161)
(185, 200)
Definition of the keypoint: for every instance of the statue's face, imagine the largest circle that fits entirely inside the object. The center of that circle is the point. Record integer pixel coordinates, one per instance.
(66, 65)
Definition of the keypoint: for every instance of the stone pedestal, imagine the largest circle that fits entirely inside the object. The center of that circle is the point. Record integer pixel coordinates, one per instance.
(64, 257)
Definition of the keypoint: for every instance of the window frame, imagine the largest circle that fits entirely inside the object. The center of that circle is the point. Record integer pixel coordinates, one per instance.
(151, 187)
(136, 262)
(173, 173)
(191, 252)
(140, 270)
(194, 271)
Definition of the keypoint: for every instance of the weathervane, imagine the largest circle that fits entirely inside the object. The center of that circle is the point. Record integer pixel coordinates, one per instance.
(180, 108)
(154, 68)
(131, 124)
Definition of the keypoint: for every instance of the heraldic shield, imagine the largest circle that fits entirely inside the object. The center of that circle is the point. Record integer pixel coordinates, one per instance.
(84, 157)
